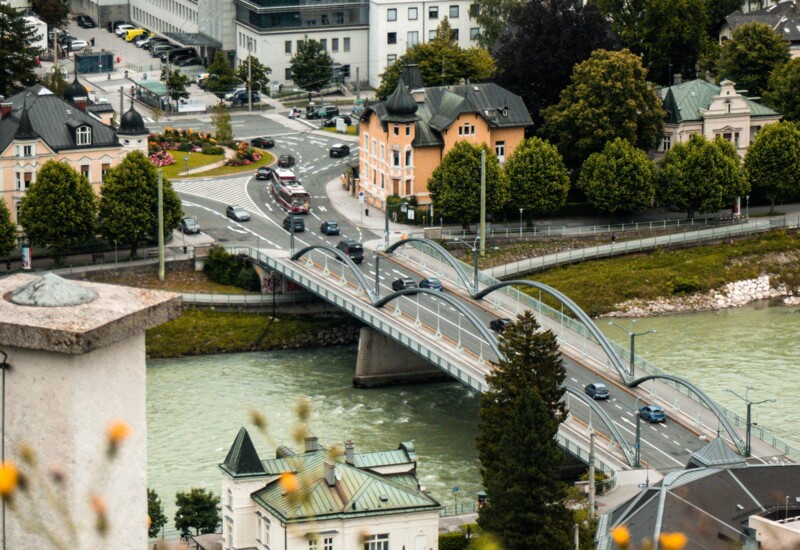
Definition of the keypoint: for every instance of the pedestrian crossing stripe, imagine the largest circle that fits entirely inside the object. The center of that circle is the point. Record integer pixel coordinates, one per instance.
(226, 191)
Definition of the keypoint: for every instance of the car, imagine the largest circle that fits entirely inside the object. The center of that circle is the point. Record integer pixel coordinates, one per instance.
(403, 282)
(189, 62)
(188, 52)
(499, 325)
(264, 173)
(299, 224)
(653, 413)
(76, 45)
(132, 34)
(331, 122)
(327, 111)
(329, 228)
(240, 97)
(339, 150)
(229, 96)
(86, 22)
(112, 25)
(189, 225)
(143, 40)
(237, 213)
(123, 29)
(66, 39)
(431, 283)
(155, 41)
(176, 60)
(353, 249)
(286, 161)
(597, 391)
(55, 31)
(160, 48)
(262, 142)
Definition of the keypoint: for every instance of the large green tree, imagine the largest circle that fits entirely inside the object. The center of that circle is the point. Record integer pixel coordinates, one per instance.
(538, 179)
(555, 35)
(752, 53)
(176, 83)
(441, 62)
(608, 97)
(8, 230)
(773, 162)
(784, 83)
(258, 73)
(155, 511)
(129, 203)
(455, 186)
(621, 178)
(16, 51)
(59, 209)
(312, 65)
(221, 76)
(53, 12)
(198, 509)
(520, 458)
(701, 176)
(493, 16)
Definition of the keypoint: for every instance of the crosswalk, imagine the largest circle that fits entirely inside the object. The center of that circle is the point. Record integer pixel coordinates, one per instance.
(226, 191)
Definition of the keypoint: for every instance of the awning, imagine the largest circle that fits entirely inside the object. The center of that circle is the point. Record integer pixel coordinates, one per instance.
(194, 39)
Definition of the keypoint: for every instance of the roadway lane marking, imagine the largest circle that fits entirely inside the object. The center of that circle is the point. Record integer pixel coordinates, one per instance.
(232, 228)
(675, 442)
(620, 408)
(321, 209)
(268, 206)
(573, 379)
(652, 428)
(665, 435)
(631, 432)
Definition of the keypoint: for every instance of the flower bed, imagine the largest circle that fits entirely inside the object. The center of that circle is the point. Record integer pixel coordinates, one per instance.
(162, 158)
(244, 155)
(185, 140)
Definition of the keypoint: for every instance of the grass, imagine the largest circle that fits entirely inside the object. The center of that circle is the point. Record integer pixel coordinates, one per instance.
(177, 279)
(266, 159)
(598, 286)
(196, 160)
(352, 130)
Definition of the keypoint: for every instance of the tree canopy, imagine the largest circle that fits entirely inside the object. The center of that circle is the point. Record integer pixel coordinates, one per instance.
(591, 112)
(155, 511)
(312, 65)
(539, 181)
(221, 119)
(455, 187)
(221, 76)
(520, 459)
(493, 16)
(258, 71)
(129, 203)
(555, 35)
(198, 509)
(621, 178)
(176, 83)
(748, 58)
(784, 82)
(53, 12)
(701, 175)
(773, 162)
(8, 230)
(441, 62)
(58, 210)
(16, 51)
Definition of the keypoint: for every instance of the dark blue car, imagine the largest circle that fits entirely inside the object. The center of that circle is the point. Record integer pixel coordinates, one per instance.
(433, 284)
(653, 413)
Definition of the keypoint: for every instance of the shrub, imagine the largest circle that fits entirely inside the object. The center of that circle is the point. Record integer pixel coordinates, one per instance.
(685, 285)
(226, 269)
(185, 147)
(209, 149)
(452, 541)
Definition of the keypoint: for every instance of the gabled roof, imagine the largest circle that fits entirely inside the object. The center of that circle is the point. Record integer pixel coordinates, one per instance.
(716, 453)
(783, 18)
(683, 102)
(242, 459)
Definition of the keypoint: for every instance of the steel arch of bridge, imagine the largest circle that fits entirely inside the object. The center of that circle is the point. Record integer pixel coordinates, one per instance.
(574, 308)
(345, 259)
(471, 317)
(704, 398)
(455, 264)
(615, 433)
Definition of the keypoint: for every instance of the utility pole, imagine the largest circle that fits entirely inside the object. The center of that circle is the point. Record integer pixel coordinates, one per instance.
(483, 203)
(249, 78)
(121, 105)
(591, 476)
(160, 224)
(358, 84)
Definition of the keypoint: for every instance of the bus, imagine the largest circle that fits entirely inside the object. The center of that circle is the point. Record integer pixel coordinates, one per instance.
(289, 193)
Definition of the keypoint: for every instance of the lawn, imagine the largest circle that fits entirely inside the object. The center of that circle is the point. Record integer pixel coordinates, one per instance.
(266, 159)
(196, 160)
(352, 130)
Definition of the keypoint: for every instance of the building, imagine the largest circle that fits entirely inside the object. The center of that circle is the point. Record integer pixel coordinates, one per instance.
(405, 138)
(782, 17)
(360, 500)
(700, 107)
(36, 126)
(39, 29)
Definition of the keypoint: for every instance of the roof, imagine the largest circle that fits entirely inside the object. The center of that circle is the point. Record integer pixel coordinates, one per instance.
(684, 102)
(716, 453)
(242, 459)
(783, 18)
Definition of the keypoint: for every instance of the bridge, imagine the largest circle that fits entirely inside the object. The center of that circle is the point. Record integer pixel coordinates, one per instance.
(449, 331)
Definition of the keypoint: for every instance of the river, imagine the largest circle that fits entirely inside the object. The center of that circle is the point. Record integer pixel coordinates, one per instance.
(196, 405)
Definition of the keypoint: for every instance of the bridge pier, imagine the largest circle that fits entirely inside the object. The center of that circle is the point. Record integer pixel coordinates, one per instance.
(383, 362)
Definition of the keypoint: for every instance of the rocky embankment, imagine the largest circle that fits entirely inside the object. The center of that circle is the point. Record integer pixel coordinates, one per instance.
(344, 334)
(734, 294)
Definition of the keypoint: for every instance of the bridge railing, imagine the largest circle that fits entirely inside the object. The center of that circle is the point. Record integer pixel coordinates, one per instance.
(576, 450)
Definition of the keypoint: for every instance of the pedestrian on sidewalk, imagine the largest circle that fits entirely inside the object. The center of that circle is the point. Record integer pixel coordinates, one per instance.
(91, 41)
(613, 238)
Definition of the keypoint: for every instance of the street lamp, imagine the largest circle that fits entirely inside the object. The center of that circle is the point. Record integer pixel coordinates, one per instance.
(476, 253)
(377, 274)
(403, 208)
(747, 207)
(633, 336)
(749, 416)
(637, 447)
(520, 221)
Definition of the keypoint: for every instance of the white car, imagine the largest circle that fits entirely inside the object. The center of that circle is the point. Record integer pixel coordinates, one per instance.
(77, 45)
(142, 41)
(123, 29)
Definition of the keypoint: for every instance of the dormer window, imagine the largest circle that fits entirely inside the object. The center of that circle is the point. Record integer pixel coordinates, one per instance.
(504, 112)
(83, 135)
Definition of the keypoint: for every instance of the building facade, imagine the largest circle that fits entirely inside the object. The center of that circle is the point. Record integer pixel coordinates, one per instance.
(782, 17)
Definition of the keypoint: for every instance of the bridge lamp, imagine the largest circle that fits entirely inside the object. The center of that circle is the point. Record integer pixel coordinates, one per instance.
(476, 253)
(747, 447)
(633, 336)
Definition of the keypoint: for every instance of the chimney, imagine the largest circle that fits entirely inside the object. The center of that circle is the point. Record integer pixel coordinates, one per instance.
(312, 444)
(709, 78)
(677, 79)
(330, 473)
(462, 82)
(5, 109)
(349, 452)
(80, 102)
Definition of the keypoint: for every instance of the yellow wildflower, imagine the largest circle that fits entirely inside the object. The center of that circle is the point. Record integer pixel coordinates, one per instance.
(289, 482)
(118, 431)
(9, 479)
(621, 536)
(672, 541)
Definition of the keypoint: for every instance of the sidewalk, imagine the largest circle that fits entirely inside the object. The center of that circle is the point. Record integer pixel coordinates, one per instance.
(364, 216)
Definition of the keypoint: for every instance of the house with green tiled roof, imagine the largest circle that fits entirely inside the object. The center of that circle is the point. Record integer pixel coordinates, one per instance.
(701, 107)
(322, 500)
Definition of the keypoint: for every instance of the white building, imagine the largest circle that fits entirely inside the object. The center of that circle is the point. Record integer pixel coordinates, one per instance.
(364, 500)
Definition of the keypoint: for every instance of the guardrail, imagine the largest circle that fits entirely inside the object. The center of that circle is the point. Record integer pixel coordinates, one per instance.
(470, 507)
(244, 299)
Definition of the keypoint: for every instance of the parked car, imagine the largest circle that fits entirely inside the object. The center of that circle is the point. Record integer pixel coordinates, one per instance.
(240, 97)
(133, 34)
(85, 21)
(123, 29)
(143, 40)
(262, 142)
(112, 25)
(229, 96)
(286, 161)
(189, 225)
(237, 213)
(264, 173)
(66, 39)
(329, 228)
(175, 60)
(353, 249)
(160, 48)
(597, 391)
(403, 282)
(76, 45)
(653, 413)
(499, 325)
(155, 41)
(431, 283)
(189, 62)
(339, 150)
(190, 52)
(299, 224)
(331, 122)
(326, 111)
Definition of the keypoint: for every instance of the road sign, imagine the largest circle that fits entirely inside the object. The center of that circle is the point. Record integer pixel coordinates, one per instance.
(361, 197)
(455, 490)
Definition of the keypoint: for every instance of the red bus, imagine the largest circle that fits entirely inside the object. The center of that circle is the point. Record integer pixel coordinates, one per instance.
(289, 193)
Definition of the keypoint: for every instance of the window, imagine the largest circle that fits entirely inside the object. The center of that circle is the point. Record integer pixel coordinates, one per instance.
(433, 12)
(374, 148)
(312, 544)
(455, 34)
(104, 168)
(395, 158)
(324, 19)
(27, 150)
(324, 43)
(431, 35)
(85, 171)
(347, 44)
(727, 106)
(383, 152)
(83, 136)
(287, 75)
(391, 38)
(391, 14)
(23, 180)
(474, 32)
(408, 129)
(390, 59)
(334, 44)
(377, 542)
(413, 38)
(265, 538)
(408, 187)
(413, 13)
(339, 17)
(395, 191)
(298, 44)
(453, 12)
(500, 150)
(287, 46)
(383, 181)
(366, 142)
(666, 142)
(474, 10)
(408, 157)
(327, 543)
(396, 129)
(229, 502)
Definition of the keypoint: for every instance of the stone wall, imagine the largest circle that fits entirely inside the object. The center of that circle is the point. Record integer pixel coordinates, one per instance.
(344, 334)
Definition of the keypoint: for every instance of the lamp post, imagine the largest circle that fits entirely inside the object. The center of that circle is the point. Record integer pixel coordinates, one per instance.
(377, 274)
(637, 447)
(475, 253)
(249, 76)
(747, 207)
(633, 336)
(387, 206)
(185, 164)
(749, 415)
(520, 221)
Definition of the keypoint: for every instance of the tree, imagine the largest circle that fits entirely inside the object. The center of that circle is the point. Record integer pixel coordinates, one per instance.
(16, 51)
(258, 72)
(493, 16)
(520, 459)
(555, 35)
(198, 509)
(53, 12)
(176, 83)
(701, 175)
(221, 119)
(441, 62)
(129, 203)
(752, 53)
(773, 162)
(782, 94)
(590, 111)
(221, 76)
(455, 186)
(539, 181)
(56, 82)
(155, 510)
(59, 209)
(311, 66)
(619, 179)
(8, 230)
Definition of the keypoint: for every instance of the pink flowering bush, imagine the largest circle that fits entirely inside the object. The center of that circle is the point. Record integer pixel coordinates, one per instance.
(162, 158)
(245, 155)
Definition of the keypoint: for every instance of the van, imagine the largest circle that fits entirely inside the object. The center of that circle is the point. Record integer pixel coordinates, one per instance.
(353, 249)
(133, 34)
